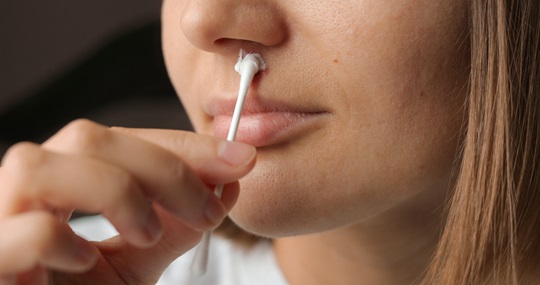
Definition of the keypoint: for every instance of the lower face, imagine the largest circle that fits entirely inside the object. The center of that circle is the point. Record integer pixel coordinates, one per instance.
(360, 109)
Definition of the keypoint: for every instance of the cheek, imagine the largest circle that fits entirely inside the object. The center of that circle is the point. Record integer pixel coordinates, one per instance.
(403, 85)
(397, 98)
(350, 173)
(405, 92)
(183, 61)
(395, 93)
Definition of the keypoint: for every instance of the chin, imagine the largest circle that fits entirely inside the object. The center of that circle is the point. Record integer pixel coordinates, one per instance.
(259, 223)
(282, 197)
(276, 208)
(273, 210)
(279, 211)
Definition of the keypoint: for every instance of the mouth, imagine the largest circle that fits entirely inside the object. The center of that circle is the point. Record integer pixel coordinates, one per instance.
(264, 123)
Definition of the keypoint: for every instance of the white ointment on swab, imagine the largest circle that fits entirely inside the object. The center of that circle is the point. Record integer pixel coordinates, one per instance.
(248, 65)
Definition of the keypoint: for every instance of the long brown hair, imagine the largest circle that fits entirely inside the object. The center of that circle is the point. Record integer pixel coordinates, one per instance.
(492, 232)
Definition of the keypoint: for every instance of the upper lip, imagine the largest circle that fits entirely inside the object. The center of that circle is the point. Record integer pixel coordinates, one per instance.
(224, 106)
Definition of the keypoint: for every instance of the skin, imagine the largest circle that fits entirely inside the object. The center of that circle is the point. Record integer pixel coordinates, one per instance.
(353, 194)
(374, 170)
(92, 168)
(392, 98)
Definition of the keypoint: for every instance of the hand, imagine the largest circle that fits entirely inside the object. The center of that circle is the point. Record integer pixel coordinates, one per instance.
(154, 186)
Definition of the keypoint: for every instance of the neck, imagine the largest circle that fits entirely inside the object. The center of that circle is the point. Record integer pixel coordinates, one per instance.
(393, 248)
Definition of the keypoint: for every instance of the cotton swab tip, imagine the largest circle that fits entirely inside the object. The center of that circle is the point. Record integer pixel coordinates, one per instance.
(249, 61)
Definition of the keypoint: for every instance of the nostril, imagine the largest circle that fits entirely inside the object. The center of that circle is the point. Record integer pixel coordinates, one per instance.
(223, 42)
(236, 44)
(216, 25)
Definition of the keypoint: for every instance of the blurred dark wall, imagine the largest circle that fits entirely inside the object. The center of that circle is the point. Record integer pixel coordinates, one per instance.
(40, 39)
(99, 59)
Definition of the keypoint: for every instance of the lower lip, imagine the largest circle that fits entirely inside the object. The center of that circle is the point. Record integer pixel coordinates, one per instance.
(265, 129)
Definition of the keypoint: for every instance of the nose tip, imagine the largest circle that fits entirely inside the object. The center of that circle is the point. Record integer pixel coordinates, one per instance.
(219, 25)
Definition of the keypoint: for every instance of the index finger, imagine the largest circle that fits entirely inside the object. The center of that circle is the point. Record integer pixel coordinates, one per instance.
(200, 152)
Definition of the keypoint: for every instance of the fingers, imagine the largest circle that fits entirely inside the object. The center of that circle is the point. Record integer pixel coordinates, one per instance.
(124, 174)
(178, 238)
(169, 171)
(93, 169)
(215, 161)
(213, 158)
(39, 176)
(39, 239)
(118, 173)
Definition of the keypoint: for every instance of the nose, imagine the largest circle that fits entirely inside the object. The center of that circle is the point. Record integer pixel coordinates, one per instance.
(221, 26)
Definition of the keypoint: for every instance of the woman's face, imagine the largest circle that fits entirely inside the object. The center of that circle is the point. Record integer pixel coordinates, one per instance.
(359, 110)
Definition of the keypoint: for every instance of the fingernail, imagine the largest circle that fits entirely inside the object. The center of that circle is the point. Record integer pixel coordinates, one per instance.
(153, 227)
(214, 212)
(236, 154)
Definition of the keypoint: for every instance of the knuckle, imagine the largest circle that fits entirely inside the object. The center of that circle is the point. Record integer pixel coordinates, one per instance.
(179, 170)
(19, 167)
(186, 142)
(24, 157)
(85, 135)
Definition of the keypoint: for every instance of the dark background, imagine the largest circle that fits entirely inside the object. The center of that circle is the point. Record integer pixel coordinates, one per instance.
(64, 59)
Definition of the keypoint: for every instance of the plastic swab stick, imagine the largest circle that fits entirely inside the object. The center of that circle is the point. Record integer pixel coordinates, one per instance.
(248, 65)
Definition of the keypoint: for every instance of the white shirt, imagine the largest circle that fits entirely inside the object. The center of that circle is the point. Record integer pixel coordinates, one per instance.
(228, 264)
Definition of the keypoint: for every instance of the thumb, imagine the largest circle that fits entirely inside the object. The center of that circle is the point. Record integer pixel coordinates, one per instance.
(146, 265)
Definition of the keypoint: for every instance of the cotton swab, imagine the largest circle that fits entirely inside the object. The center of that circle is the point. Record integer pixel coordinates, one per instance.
(248, 65)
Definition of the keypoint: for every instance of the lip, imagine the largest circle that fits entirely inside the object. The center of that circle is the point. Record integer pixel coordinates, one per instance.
(263, 123)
